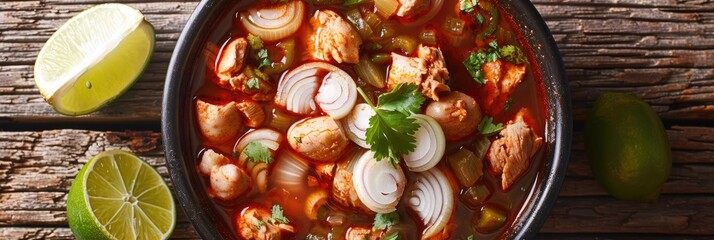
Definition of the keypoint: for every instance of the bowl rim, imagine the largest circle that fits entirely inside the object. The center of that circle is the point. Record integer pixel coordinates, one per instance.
(533, 213)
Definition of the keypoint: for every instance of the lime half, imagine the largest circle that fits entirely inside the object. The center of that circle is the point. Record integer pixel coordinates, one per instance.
(93, 58)
(116, 195)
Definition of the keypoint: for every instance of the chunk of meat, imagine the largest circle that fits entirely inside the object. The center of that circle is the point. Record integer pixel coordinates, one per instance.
(211, 160)
(458, 114)
(252, 112)
(511, 154)
(504, 76)
(232, 58)
(229, 181)
(264, 91)
(343, 191)
(255, 223)
(319, 138)
(218, 123)
(409, 8)
(333, 38)
(427, 70)
(362, 233)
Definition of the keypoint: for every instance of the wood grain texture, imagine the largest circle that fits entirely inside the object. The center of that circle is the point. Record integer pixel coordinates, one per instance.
(661, 50)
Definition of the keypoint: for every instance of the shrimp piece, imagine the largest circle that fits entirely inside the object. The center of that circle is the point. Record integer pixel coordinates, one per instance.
(256, 223)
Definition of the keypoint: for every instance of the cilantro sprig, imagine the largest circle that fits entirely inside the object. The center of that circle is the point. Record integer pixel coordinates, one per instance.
(259, 52)
(476, 60)
(391, 131)
(384, 220)
(278, 215)
(256, 152)
(487, 128)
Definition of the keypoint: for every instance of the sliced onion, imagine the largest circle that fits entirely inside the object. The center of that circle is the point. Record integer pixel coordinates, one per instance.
(338, 94)
(432, 199)
(290, 171)
(274, 22)
(313, 203)
(357, 124)
(258, 170)
(378, 184)
(433, 10)
(430, 145)
(297, 89)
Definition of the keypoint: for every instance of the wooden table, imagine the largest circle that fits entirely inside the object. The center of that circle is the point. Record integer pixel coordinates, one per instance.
(663, 50)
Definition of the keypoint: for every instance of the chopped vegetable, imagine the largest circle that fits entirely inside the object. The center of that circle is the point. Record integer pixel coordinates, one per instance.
(475, 196)
(495, 17)
(490, 220)
(467, 5)
(288, 49)
(256, 152)
(391, 130)
(278, 215)
(428, 36)
(350, 3)
(467, 167)
(454, 25)
(355, 18)
(255, 42)
(479, 18)
(381, 58)
(370, 72)
(405, 43)
(393, 236)
(386, 8)
(383, 221)
(471, 237)
(487, 128)
(481, 145)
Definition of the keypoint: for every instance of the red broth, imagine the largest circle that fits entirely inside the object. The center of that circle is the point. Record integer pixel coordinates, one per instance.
(528, 95)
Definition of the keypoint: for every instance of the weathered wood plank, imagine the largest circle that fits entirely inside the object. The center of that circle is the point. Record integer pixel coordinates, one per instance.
(660, 50)
(182, 231)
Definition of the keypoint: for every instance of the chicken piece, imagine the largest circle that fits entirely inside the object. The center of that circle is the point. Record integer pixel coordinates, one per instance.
(255, 223)
(211, 160)
(232, 59)
(320, 138)
(409, 8)
(325, 171)
(362, 233)
(252, 112)
(333, 38)
(504, 76)
(229, 181)
(511, 154)
(218, 123)
(427, 70)
(263, 91)
(343, 191)
(458, 114)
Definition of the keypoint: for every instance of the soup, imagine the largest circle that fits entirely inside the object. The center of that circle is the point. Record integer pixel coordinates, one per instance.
(361, 119)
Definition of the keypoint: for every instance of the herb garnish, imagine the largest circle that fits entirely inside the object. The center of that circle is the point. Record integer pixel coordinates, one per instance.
(256, 152)
(393, 236)
(391, 131)
(476, 60)
(259, 52)
(278, 215)
(253, 83)
(508, 104)
(471, 237)
(467, 5)
(487, 128)
(384, 220)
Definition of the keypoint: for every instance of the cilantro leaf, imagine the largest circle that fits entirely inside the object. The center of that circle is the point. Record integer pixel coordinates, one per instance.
(298, 139)
(487, 128)
(256, 152)
(259, 225)
(253, 83)
(391, 132)
(513, 54)
(471, 237)
(468, 5)
(383, 221)
(393, 236)
(479, 18)
(256, 43)
(278, 215)
(259, 52)
(404, 98)
(477, 59)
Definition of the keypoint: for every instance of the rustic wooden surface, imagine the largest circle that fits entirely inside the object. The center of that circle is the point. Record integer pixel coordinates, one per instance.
(663, 50)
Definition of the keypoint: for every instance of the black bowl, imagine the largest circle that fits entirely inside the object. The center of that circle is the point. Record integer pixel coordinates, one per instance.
(211, 223)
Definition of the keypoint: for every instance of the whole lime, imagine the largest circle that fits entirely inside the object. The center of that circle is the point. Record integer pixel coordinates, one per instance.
(627, 146)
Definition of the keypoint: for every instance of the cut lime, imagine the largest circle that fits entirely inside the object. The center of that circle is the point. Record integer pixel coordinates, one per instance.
(93, 58)
(116, 195)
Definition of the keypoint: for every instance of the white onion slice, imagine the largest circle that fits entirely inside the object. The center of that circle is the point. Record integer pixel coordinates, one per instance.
(378, 184)
(433, 10)
(275, 22)
(298, 88)
(430, 145)
(290, 171)
(338, 94)
(357, 123)
(258, 170)
(432, 199)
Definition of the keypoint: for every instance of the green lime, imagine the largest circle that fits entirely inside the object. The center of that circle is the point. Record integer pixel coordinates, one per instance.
(94, 58)
(628, 147)
(116, 195)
